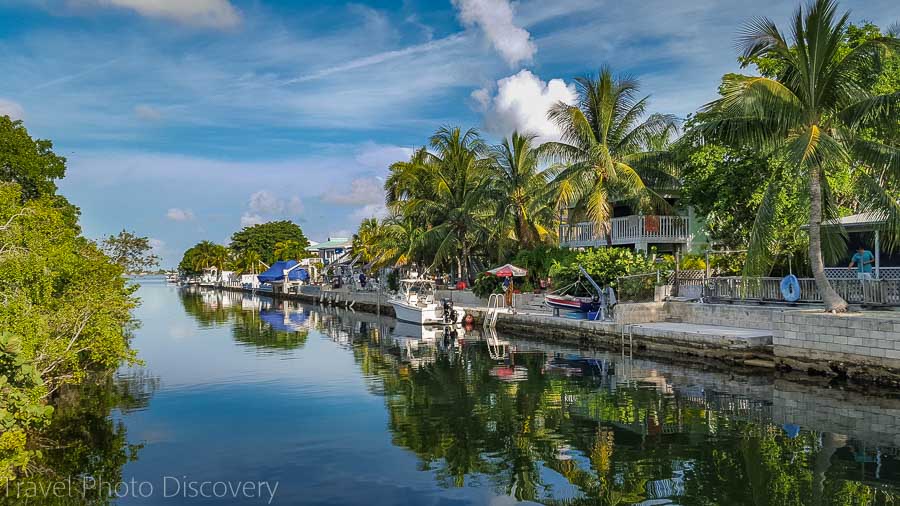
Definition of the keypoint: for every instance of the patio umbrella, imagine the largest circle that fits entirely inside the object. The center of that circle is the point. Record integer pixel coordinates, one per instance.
(508, 271)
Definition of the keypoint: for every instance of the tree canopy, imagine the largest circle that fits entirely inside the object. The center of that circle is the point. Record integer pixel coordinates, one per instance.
(262, 238)
(132, 252)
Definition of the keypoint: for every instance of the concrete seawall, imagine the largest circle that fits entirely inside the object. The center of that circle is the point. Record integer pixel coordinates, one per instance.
(862, 346)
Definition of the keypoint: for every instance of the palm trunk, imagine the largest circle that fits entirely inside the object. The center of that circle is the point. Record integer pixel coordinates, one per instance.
(833, 301)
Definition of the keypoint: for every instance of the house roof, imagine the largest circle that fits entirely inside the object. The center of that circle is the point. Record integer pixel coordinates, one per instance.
(856, 221)
(331, 243)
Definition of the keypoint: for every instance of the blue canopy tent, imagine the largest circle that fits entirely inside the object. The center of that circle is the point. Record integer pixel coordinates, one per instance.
(292, 322)
(276, 272)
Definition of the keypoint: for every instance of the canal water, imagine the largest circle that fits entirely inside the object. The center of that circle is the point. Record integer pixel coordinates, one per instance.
(327, 406)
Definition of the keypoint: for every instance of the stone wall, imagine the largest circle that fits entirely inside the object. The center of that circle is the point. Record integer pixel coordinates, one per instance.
(725, 315)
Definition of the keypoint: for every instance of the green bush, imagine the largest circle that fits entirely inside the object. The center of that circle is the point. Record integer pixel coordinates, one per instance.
(605, 265)
(486, 284)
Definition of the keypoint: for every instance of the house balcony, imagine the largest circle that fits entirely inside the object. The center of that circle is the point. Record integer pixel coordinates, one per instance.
(639, 231)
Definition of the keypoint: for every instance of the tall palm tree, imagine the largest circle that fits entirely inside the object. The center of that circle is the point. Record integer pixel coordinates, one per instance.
(811, 114)
(525, 201)
(366, 239)
(249, 261)
(605, 145)
(400, 243)
(459, 168)
(288, 250)
(205, 255)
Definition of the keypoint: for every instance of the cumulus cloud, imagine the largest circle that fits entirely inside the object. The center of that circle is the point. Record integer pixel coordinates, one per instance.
(265, 205)
(205, 13)
(361, 191)
(12, 109)
(381, 156)
(177, 214)
(495, 18)
(521, 103)
(370, 211)
(147, 112)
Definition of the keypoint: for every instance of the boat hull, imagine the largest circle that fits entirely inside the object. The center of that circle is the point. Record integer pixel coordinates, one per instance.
(432, 314)
(582, 304)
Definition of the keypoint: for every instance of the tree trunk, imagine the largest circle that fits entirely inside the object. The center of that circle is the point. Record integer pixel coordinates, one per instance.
(833, 301)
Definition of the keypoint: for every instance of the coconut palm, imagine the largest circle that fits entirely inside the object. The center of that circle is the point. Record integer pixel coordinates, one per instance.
(525, 202)
(289, 250)
(605, 146)
(366, 239)
(812, 115)
(459, 172)
(249, 261)
(400, 242)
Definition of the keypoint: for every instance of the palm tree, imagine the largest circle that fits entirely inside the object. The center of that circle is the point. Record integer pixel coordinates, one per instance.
(605, 144)
(811, 114)
(288, 250)
(366, 239)
(525, 201)
(205, 255)
(400, 243)
(249, 261)
(460, 176)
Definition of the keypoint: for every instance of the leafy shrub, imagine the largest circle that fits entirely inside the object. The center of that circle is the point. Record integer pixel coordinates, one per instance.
(605, 265)
(486, 284)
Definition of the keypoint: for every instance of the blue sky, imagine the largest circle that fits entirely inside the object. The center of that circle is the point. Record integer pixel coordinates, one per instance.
(185, 119)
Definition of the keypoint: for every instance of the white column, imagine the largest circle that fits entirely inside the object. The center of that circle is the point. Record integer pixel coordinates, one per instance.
(877, 255)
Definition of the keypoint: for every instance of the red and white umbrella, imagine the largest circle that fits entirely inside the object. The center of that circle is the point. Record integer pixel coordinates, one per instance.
(508, 271)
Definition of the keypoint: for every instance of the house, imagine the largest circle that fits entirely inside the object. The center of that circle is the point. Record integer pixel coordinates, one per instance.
(332, 249)
(863, 229)
(641, 232)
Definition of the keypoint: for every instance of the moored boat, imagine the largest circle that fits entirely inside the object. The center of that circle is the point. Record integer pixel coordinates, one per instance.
(415, 304)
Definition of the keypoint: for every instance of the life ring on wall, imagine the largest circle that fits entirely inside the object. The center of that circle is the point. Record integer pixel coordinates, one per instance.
(790, 288)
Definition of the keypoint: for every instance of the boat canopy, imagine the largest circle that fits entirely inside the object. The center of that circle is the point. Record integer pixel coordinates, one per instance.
(276, 272)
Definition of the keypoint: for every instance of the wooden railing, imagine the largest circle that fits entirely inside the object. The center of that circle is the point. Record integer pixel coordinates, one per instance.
(626, 230)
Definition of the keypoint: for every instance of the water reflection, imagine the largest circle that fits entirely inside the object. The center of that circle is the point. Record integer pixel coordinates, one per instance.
(85, 441)
(546, 423)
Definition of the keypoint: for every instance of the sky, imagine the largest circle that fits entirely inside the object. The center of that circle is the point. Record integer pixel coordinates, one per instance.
(185, 120)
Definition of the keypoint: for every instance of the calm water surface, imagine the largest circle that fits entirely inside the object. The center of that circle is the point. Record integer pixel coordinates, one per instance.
(343, 408)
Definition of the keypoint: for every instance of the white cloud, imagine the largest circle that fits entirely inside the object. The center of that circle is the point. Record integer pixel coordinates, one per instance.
(12, 109)
(157, 246)
(249, 219)
(177, 214)
(370, 211)
(265, 202)
(205, 13)
(522, 102)
(495, 18)
(147, 112)
(264, 206)
(381, 156)
(361, 190)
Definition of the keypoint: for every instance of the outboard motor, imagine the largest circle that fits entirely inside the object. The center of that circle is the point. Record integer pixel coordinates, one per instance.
(450, 314)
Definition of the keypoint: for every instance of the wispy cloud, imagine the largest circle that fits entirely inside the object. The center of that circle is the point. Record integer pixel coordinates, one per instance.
(178, 214)
(203, 13)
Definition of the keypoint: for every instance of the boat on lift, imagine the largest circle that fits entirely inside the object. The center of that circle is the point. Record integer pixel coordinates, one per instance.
(582, 304)
(415, 303)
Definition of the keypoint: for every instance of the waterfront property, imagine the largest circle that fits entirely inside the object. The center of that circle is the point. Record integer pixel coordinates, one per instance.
(356, 410)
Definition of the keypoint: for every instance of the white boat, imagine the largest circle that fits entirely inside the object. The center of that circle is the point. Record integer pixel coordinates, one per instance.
(415, 304)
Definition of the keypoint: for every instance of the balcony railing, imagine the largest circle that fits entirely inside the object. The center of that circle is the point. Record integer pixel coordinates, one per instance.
(626, 230)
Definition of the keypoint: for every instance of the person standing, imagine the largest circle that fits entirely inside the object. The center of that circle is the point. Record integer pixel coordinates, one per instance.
(863, 260)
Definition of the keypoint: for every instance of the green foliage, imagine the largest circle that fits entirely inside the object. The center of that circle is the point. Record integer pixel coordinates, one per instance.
(262, 238)
(206, 254)
(815, 115)
(486, 284)
(605, 265)
(66, 312)
(539, 260)
(130, 251)
(30, 163)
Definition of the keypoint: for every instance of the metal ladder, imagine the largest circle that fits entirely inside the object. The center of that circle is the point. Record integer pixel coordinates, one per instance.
(495, 303)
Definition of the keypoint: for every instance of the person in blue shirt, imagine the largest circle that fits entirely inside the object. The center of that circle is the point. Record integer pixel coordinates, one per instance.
(863, 259)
